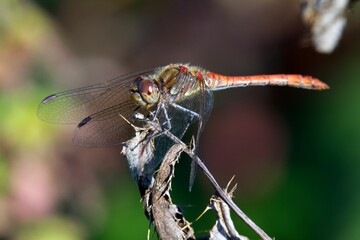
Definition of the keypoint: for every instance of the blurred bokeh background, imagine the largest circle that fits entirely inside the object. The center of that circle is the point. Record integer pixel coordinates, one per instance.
(295, 153)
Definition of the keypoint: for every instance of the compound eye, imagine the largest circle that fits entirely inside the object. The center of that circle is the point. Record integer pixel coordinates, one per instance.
(149, 91)
(146, 87)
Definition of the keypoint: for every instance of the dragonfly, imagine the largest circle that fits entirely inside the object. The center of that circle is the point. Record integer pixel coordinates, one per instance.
(176, 95)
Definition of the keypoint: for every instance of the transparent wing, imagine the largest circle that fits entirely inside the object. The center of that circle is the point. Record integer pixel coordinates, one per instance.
(97, 110)
(75, 105)
(104, 129)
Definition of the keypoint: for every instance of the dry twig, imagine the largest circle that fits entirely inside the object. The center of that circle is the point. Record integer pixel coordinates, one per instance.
(155, 186)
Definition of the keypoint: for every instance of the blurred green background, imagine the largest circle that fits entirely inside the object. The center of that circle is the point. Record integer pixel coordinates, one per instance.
(295, 153)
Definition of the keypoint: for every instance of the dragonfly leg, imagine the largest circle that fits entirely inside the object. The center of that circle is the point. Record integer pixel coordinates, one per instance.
(193, 115)
(152, 120)
(165, 127)
(167, 123)
(186, 110)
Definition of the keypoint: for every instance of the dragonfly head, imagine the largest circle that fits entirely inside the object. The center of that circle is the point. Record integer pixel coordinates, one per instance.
(144, 92)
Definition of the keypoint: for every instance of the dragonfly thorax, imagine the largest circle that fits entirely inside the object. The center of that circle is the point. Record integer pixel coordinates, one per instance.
(169, 75)
(179, 80)
(144, 92)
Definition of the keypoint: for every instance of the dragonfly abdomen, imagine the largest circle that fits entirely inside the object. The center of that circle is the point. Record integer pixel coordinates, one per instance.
(218, 82)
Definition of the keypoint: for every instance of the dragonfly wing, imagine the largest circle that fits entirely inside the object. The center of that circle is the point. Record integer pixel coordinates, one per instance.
(75, 105)
(104, 129)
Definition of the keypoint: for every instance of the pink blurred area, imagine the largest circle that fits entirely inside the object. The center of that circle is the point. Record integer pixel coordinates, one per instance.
(33, 189)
